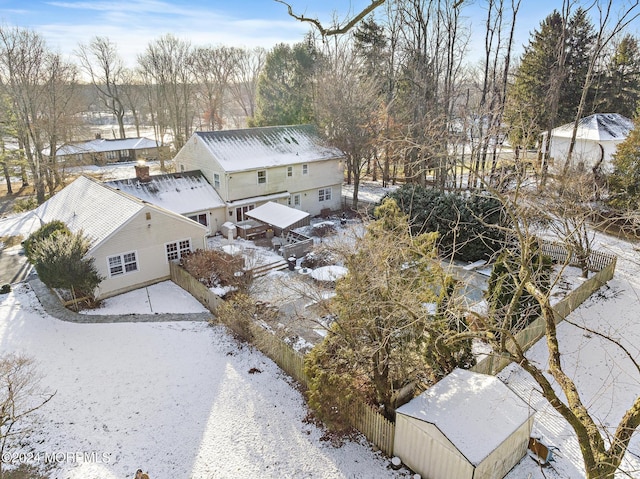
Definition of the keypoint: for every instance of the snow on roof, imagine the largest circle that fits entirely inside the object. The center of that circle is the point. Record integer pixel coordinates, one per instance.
(100, 145)
(182, 193)
(491, 412)
(598, 127)
(251, 148)
(275, 214)
(89, 206)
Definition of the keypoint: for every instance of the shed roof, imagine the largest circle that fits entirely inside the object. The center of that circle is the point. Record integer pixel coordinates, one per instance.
(491, 412)
(186, 192)
(101, 145)
(275, 214)
(597, 127)
(251, 148)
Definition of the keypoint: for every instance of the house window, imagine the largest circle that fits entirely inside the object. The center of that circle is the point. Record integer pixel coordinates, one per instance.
(305, 169)
(241, 210)
(289, 171)
(178, 249)
(262, 177)
(122, 264)
(200, 218)
(294, 201)
(216, 181)
(112, 155)
(324, 194)
(181, 168)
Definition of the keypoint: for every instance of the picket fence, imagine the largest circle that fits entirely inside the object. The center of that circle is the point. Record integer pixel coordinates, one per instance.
(366, 419)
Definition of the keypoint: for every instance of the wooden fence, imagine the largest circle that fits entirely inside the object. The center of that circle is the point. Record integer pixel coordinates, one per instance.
(373, 425)
(536, 330)
(597, 260)
(182, 278)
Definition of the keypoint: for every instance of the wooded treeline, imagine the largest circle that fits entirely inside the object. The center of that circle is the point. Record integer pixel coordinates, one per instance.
(398, 93)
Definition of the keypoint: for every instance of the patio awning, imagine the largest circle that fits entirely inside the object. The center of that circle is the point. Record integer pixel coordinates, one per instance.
(277, 215)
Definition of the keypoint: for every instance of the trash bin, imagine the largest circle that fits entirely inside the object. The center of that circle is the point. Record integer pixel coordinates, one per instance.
(291, 262)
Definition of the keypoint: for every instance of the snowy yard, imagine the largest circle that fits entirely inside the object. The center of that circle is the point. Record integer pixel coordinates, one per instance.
(176, 399)
(607, 380)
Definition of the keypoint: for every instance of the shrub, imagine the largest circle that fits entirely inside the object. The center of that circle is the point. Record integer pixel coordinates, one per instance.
(44, 232)
(6, 289)
(502, 288)
(217, 268)
(25, 204)
(465, 222)
(60, 262)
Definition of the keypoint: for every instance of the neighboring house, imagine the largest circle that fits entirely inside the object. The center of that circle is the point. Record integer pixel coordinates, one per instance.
(597, 139)
(101, 151)
(132, 241)
(290, 165)
(188, 194)
(432, 440)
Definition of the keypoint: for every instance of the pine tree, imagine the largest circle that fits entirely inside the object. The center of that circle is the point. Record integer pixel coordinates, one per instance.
(528, 109)
(624, 182)
(620, 90)
(284, 93)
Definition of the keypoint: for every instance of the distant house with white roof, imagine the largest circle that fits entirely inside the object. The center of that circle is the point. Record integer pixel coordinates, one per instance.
(290, 165)
(467, 426)
(132, 241)
(188, 194)
(597, 139)
(101, 151)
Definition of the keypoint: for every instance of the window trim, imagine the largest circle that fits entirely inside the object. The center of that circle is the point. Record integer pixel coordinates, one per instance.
(216, 181)
(323, 196)
(123, 264)
(305, 169)
(179, 251)
(289, 171)
(264, 177)
(196, 217)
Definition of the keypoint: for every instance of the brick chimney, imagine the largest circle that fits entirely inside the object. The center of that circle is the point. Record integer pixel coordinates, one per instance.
(142, 172)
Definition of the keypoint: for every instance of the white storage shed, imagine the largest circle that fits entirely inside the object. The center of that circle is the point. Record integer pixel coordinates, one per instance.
(467, 426)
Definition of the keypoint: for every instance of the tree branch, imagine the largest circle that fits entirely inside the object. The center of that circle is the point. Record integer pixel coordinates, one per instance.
(338, 30)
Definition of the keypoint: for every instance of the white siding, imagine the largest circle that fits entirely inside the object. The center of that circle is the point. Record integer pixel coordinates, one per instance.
(423, 448)
(505, 457)
(195, 156)
(147, 238)
(586, 152)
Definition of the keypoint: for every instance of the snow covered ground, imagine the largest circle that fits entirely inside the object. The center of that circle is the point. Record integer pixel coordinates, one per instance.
(607, 380)
(176, 399)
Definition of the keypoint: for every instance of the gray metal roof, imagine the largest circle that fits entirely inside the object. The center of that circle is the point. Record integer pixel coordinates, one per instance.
(186, 192)
(598, 127)
(252, 148)
(101, 145)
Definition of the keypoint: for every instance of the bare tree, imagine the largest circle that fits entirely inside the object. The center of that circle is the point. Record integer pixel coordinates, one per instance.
(100, 60)
(213, 69)
(245, 81)
(601, 456)
(165, 69)
(348, 107)
(20, 396)
(39, 86)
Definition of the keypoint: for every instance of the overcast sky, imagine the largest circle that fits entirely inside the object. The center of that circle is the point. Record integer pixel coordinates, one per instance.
(132, 24)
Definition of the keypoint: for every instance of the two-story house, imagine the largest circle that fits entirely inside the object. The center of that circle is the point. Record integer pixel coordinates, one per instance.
(290, 165)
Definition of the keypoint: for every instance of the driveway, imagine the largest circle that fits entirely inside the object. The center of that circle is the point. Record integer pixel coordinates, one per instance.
(14, 266)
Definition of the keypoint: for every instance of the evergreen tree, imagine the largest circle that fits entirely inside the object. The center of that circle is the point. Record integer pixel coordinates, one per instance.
(624, 182)
(386, 336)
(284, 93)
(60, 261)
(528, 109)
(620, 88)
